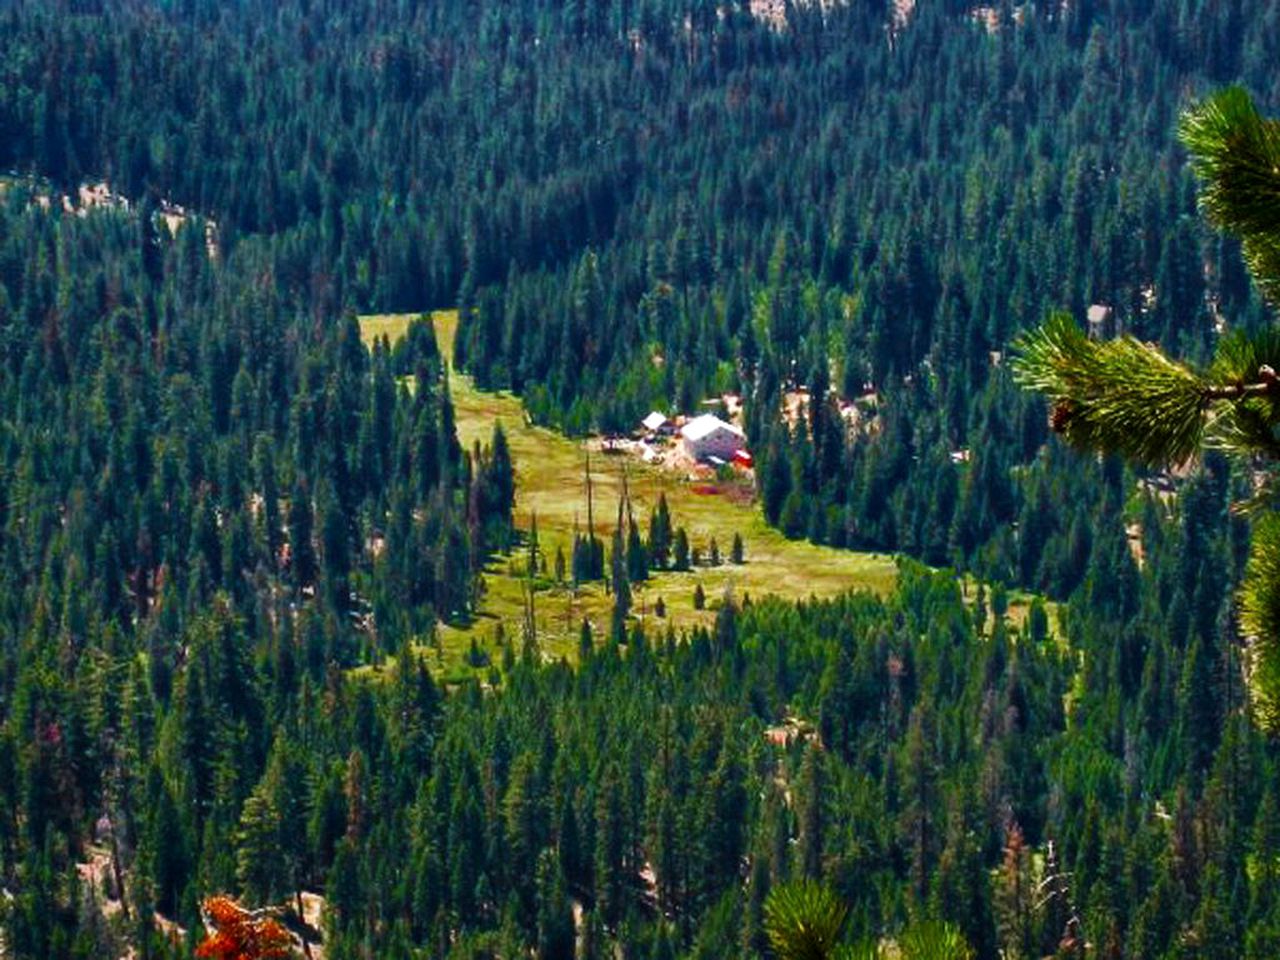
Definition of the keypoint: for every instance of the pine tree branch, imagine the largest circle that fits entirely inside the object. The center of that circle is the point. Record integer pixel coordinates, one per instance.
(1236, 154)
(1119, 396)
(1262, 257)
(1241, 356)
(1267, 385)
(1247, 428)
(1265, 498)
(1127, 397)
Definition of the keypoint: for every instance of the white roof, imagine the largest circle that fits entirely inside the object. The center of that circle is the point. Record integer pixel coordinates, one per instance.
(707, 424)
(654, 421)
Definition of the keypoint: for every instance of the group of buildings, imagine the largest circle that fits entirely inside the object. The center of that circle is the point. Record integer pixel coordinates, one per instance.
(705, 438)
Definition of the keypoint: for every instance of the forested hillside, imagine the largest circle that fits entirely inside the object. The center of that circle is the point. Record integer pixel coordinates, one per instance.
(639, 203)
(215, 501)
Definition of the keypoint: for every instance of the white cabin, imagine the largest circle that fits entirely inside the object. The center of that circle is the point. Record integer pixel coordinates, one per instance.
(708, 436)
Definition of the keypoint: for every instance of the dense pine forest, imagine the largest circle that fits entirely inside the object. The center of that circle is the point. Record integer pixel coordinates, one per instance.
(225, 524)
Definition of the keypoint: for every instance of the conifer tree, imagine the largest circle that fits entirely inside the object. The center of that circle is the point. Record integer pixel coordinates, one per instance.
(1014, 897)
(812, 816)
(555, 916)
(680, 555)
(660, 533)
(301, 522)
(258, 856)
(637, 555)
(610, 884)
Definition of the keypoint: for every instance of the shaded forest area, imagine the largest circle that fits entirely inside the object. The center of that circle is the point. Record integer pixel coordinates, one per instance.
(214, 500)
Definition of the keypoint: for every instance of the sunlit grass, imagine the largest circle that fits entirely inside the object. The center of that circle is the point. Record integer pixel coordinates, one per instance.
(550, 484)
(393, 326)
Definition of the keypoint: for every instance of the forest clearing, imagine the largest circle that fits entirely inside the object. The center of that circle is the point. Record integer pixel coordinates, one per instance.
(550, 486)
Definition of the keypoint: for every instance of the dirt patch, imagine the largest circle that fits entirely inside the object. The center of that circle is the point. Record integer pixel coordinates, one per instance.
(174, 216)
(989, 17)
(1133, 534)
(859, 415)
(902, 10)
(98, 877)
(99, 196)
(774, 12)
(791, 730)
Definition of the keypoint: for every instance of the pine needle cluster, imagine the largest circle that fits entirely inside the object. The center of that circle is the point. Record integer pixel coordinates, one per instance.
(1260, 618)
(803, 921)
(1128, 397)
(1236, 154)
(1119, 395)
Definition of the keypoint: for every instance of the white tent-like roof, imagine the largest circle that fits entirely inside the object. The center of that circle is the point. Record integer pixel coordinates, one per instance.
(705, 425)
(654, 421)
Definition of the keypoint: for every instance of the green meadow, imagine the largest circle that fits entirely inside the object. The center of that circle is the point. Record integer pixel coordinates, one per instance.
(550, 484)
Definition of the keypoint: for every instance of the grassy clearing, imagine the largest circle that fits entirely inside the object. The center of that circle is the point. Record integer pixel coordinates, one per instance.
(550, 485)
(393, 326)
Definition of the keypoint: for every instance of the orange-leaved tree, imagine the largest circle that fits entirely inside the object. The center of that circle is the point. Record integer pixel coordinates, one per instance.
(239, 934)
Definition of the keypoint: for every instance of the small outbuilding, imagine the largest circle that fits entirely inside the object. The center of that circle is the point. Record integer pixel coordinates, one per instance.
(657, 423)
(708, 436)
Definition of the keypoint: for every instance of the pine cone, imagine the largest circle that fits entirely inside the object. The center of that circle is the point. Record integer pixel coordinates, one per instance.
(1060, 416)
